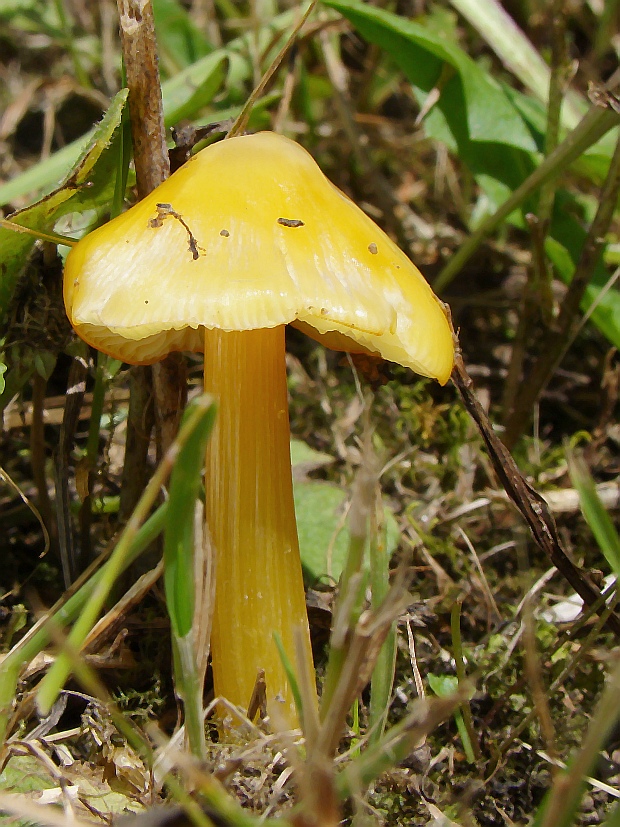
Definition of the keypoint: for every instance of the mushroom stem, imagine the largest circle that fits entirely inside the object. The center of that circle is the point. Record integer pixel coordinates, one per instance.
(251, 518)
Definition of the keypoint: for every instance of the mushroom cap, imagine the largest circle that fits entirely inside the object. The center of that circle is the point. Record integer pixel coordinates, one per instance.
(250, 234)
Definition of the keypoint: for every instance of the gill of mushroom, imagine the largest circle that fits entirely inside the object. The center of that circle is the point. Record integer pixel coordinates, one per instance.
(246, 237)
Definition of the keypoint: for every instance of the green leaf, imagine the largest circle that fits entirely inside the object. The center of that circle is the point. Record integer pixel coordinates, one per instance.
(89, 184)
(305, 459)
(185, 484)
(25, 774)
(44, 364)
(471, 103)
(323, 534)
(180, 41)
(443, 686)
(176, 93)
(564, 249)
(191, 90)
(595, 513)
(473, 116)
(517, 54)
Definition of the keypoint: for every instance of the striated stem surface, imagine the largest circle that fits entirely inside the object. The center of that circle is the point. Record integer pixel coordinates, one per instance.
(251, 518)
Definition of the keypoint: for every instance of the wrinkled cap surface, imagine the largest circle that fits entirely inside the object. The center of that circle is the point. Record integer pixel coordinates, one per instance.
(249, 234)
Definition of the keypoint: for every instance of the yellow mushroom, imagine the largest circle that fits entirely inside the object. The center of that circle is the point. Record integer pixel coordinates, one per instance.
(246, 237)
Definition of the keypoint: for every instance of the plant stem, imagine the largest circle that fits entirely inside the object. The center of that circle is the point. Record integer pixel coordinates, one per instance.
(383, 673)
(470, 738)
(251, 518)
(533, 508)
(189, 687)
(38, 456)
(596, 123)
(537, 299)
(140, 420)
(559, 336)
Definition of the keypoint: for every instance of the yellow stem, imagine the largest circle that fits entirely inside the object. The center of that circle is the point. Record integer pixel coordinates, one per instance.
(251, 518)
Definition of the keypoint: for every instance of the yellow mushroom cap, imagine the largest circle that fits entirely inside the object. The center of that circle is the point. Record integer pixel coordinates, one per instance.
(250, 234)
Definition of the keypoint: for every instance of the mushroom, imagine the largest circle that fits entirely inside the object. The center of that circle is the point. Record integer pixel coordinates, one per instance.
(246, 237)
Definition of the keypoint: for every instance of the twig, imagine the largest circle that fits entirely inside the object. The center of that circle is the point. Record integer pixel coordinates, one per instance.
(148, 135)
(148, 132)
(170, 392)
(532, 506)
(241, 123)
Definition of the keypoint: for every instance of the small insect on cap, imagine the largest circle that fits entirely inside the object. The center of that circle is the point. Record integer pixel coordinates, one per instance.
(250, 234)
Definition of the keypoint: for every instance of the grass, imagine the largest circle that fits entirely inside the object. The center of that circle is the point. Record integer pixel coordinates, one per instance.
(403, 115)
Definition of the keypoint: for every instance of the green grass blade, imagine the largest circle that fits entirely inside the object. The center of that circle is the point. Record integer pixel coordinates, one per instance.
(179, 579)
(383, 673)
(292, 677)
(53, 682)
(517, 53)
(561, 806)
(185, 482)
(445, 686)
(594, 125)
(595, 512)
(39, 637)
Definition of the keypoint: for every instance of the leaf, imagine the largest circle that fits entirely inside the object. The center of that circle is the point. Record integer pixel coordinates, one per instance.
(595, 513)
(25, 774)
(473, 116)
(89, 184)
(176, 93)
(472, 104)
(564, 250)
(320, 508)
(518, 54)
(185, 484)
(180, 41)
(194, 88)
(443, 685)
(305, 459)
